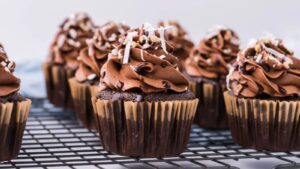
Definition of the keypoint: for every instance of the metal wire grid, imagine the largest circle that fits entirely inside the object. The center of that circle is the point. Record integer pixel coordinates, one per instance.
(53, 139)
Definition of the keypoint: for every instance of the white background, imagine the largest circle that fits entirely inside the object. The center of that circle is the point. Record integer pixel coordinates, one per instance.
(28, 26)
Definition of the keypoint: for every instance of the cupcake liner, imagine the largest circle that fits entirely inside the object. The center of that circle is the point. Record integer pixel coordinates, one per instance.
(81, 94)
(13, 117)
(264, 124)
(211, 112)
(144, 129)
(93, 90)
(57, 86)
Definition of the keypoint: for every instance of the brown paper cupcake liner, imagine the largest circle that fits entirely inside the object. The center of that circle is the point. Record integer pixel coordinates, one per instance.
(81, 94)
(13, 117)
(144, 129)
(211, 112)
(264, 124)
(57, 86)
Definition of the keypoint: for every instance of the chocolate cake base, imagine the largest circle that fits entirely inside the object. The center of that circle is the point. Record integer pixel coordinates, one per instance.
(57, 85)
(211, 111)
(15, 97)
(138, 96)
(144, 129)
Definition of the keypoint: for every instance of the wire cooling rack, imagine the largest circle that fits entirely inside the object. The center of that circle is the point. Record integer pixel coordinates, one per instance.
(54, 140)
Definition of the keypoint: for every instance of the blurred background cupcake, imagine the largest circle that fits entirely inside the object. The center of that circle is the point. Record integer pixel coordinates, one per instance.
(263, 99)
(87, 75)
(143, 107)
(206, 69)
(62, 59)
(178, 38)
(14, 109)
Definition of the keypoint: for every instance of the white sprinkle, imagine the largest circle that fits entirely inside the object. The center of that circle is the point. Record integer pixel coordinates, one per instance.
(278, 54)
(132, 67)
(120, 54)
(61, 40)
(142, 55)
(162, 56)
(214, 31)
(114, 52)
(89, 43)
(6, 69)
(120, 28)
(239, 57)
(67, 25)
(151, 34)
(74, 43)
(91, 51)
(2, 50)
(268, 37)
(92, 76)
(112, 38)
(231, 70)
(146, 45)
(128, 46)
(3, 64)
(162, 38)
(251, 43)
(208, 61)
(258, 58)
(149, 28)
(10, 65)
(227, 51)
(73, 33)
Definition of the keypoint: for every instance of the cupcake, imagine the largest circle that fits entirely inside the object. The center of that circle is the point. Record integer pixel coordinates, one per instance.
(143, 107)
(87, 75)
(62, 59)
(14, 110)
(178, 38)
(206, 69)
(263, 97)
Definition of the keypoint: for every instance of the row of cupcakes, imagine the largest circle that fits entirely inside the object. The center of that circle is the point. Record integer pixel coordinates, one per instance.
(140, 81)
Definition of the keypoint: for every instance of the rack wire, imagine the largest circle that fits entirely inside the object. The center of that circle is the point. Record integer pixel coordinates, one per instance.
(53, 139)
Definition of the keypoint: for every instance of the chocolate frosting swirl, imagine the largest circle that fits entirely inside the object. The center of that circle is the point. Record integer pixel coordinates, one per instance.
(265, 69)
(70, 39)
(216, 52)
(178, 38)
(9, 83)
(143, 63)
(92, 57)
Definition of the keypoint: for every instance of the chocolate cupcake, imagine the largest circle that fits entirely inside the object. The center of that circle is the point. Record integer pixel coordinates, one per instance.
(178, 38)
(143, 107)
(14, 110)
(263, 101)
(62, 59)
(91, 59)
(206, 69)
